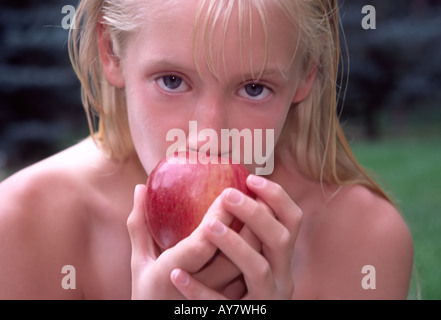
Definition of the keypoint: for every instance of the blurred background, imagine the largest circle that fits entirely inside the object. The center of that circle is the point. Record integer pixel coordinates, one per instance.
(391, 112)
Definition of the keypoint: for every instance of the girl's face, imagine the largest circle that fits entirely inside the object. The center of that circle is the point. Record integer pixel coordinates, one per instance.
(166, 90)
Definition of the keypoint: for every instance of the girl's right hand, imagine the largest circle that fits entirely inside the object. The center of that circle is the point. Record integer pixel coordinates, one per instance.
(151, 270)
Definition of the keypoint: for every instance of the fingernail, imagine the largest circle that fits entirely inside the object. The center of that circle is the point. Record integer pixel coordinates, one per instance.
(217, 227)
(180, 277)
(256, 181)
(234, 197)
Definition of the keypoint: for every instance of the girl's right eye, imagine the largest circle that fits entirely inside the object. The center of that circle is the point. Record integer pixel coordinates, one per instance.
(172, 83)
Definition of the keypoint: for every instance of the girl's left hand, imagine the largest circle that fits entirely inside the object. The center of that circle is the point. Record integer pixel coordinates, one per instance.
(275, 220)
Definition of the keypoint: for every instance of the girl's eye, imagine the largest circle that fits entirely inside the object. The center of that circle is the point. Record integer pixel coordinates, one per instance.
(254, 91)
(172, 83)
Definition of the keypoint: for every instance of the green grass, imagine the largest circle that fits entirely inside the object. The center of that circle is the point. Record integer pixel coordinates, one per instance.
(411, 169)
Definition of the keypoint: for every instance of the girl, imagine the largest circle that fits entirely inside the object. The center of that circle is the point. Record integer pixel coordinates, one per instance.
(150, 66)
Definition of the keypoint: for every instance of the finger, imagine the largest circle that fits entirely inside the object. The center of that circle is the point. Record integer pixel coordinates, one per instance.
(255, 268)
(278, 200)
(288, 213)
(193, 252)
(236, 289)
(222, 265)
(217, 211)
(277, 240)
(143, 245)
(224, 270)
(258, 217)
(191, 288)
(251, 238)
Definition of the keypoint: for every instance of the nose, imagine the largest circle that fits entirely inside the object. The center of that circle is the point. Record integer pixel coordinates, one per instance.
(208, 119)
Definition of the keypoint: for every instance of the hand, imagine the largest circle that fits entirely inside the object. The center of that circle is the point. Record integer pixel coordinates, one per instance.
(151, 269)
(275, 220)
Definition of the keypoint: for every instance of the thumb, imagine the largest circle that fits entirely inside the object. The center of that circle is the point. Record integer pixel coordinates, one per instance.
(143, 245)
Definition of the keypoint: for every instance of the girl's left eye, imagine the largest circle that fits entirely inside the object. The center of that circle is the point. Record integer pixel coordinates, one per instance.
(254, 91)
(172, 83)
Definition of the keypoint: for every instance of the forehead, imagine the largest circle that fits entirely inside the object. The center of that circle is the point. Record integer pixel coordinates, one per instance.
(224, 34)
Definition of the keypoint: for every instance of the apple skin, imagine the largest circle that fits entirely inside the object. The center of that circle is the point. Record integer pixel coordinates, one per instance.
(179, 194)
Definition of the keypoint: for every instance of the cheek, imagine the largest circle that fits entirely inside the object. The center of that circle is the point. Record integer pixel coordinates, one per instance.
(278, 120)
(146, 140)
(147, 128)
(282, 120)
(151, 117)
(268, 126)
(275, 120)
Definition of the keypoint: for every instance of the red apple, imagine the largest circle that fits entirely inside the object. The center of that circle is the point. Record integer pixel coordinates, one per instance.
(179, 194)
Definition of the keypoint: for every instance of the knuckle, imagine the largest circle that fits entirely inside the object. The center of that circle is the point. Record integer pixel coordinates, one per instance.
(255, 211)
(192, 291)
(200, 249)
(284, 239)
(296, 218)
(131, 223)
(276, 192)
(299, 215)
(263, 271)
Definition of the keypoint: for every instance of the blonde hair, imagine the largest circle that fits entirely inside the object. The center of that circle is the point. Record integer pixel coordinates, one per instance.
(312, 131)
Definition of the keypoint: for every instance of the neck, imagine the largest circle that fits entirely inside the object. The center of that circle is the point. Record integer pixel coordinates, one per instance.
(299, 186)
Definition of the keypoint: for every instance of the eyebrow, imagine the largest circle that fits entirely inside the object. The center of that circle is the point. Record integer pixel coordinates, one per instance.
(272, 72)
(167, 64)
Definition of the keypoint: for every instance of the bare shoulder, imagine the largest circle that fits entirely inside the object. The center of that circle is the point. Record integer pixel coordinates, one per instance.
(40, 225)
(360, 207)
(48, 184)
(363, 237)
